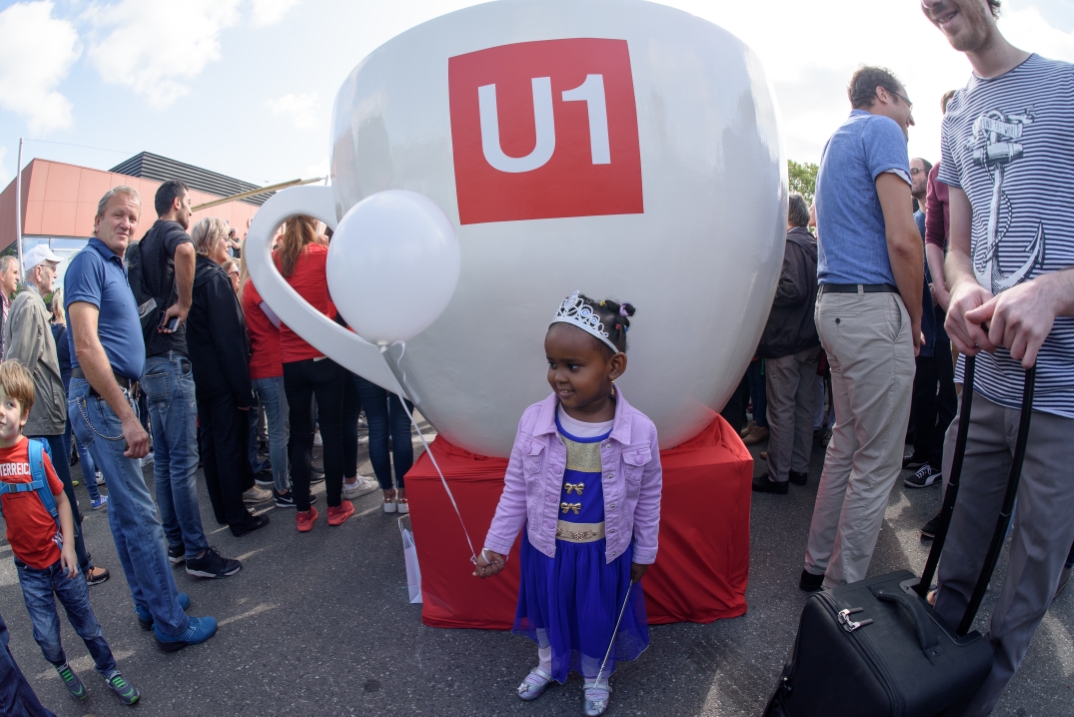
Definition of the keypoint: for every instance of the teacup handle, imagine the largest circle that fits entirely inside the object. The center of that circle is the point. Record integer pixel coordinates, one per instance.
(342, 346)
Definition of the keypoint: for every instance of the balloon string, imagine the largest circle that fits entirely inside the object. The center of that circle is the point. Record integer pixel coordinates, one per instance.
(429, 452)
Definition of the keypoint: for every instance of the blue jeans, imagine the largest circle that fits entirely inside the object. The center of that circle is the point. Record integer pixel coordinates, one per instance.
(40, 588)
(758, 392)
(387, 419)
(17, 698)
(271, 394)
(168, 385)
(131, 514)
(89, 470)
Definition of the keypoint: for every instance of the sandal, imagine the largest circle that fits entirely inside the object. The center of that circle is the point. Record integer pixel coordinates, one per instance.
(597, 695)
(533, 686)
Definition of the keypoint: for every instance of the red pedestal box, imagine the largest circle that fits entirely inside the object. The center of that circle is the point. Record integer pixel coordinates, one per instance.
(701, 570)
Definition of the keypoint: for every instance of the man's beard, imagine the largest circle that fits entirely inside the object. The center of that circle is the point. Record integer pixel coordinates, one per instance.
(977, 37)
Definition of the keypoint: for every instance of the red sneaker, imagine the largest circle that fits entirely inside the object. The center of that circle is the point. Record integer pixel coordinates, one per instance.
(304, 521)
(338, 516)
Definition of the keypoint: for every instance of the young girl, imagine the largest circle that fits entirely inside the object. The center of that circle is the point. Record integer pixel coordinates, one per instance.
(584, 477)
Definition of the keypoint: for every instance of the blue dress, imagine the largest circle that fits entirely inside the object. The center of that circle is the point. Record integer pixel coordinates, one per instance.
(571, 602)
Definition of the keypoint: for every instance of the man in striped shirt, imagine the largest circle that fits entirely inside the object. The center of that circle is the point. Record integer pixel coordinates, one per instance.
(1008, 143)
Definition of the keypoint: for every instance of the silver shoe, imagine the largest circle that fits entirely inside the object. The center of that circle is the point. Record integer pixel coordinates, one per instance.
(597, 696)
(534, 684)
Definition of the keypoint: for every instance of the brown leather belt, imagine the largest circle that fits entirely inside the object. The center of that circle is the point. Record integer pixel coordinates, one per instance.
(124, 382)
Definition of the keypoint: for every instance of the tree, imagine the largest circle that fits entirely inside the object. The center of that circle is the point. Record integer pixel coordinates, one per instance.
(803, 178)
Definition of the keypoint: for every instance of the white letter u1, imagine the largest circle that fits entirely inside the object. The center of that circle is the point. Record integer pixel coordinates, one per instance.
(544, 124)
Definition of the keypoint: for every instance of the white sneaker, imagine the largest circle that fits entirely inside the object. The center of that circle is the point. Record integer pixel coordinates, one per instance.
(100, 478)
(390, 506)
(257, 494)
(148, 460)
(402, 505)
(359, 487)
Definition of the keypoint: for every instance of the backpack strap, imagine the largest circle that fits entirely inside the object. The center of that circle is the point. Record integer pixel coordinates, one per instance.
(36, 448)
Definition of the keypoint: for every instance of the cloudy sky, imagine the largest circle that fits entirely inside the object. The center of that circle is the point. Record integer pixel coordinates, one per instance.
(245, 87)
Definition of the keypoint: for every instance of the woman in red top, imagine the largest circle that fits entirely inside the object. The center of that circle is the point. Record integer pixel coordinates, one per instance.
(266, 375)
(301, 257)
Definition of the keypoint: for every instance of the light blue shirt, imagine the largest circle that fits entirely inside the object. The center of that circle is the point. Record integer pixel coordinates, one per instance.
(851, 238)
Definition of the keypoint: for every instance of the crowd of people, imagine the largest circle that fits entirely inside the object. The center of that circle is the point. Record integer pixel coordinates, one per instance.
(158, 350)
(161, 346)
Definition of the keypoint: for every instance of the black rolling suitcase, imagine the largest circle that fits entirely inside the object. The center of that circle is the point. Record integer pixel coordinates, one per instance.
(876, 648)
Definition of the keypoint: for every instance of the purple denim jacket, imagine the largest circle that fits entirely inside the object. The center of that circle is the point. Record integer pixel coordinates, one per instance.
(632, 482)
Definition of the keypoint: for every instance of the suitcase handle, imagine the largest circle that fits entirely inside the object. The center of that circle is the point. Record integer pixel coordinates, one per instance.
(926, 637)
(1014, 476)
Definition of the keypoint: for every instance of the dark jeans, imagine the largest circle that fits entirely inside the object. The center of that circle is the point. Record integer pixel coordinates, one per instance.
(39, 590)
(17, 698)
(1070, 559)
(934, 403)
(352, 406)
(63, 472)
(387, 419)
(253, 422)
(734, 411)
(223, 431)
(758, 392)
(302, 380)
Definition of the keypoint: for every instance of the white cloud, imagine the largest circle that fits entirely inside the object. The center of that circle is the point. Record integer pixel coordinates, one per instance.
(268, 12)
(301, 109)
(1027, 28)
(5, 176)
(153, 46)
(317, 169)
(36, 53)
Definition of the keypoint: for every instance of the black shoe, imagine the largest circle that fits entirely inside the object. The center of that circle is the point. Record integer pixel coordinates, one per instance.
(212, 565)
(930, 528)
(177, 554)
(761, 484)
(798, 478)
(925, 476)
(912, 461)
(810, 583)
(249, 525)
(287, 500)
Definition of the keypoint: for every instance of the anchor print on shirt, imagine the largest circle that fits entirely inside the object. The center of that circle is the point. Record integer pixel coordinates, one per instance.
(994, 145)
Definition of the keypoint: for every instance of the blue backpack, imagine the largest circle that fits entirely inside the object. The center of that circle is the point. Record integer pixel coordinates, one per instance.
(39, 480)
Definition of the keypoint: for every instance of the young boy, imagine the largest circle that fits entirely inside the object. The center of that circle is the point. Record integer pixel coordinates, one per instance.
(44, 552)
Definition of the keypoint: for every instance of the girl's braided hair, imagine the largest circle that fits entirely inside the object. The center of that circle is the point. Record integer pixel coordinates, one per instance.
(615, 317)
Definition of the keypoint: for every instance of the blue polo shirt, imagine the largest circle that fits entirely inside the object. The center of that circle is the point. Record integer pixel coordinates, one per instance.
(97, 276)
(852, 243)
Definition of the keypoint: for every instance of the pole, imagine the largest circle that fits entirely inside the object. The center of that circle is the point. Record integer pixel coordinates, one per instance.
(18, 207)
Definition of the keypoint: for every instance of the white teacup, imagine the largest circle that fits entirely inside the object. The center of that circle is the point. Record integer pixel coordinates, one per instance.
(622, 148)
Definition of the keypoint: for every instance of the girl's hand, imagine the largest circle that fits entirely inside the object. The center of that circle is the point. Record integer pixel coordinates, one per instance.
(489, 563)
(637, 572)
(68, 561)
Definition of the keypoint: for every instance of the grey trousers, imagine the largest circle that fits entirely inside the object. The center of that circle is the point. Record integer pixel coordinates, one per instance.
(1040, 541)
(867, 339)
(790, 382)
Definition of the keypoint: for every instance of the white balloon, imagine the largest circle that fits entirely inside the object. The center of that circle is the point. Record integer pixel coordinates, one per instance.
(393, 265)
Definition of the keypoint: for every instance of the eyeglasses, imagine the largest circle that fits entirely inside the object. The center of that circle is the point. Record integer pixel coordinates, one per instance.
(904, 99)
(914, 171)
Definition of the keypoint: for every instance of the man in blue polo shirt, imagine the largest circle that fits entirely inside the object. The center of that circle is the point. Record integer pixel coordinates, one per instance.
(870, 270)
(107, 357)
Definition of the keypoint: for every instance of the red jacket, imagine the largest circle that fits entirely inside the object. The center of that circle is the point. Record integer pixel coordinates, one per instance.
(311, 282)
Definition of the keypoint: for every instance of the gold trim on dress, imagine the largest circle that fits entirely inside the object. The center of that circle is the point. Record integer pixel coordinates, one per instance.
(579, 532)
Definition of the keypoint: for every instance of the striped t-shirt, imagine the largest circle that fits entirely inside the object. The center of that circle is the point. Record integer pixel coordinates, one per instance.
(1008, 143)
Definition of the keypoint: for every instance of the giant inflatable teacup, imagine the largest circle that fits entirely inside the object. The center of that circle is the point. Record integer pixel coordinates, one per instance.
(622, 148)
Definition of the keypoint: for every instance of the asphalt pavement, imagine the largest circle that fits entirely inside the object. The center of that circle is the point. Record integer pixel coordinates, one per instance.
(319, 624)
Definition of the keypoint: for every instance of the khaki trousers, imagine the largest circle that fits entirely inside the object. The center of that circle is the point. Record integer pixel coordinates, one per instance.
(871, 353)
(790, 382)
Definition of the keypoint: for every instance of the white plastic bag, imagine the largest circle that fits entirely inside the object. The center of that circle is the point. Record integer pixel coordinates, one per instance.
(410, 554)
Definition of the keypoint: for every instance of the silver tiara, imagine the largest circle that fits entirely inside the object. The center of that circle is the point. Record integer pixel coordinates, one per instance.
(576, 312)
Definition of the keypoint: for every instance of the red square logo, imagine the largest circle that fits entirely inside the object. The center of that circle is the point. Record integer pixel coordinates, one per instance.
(545, 129)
